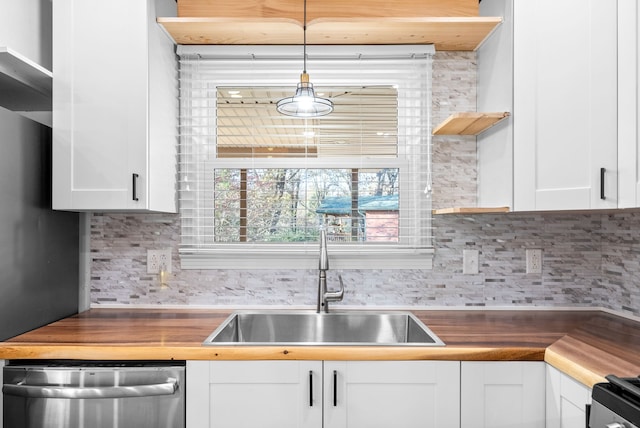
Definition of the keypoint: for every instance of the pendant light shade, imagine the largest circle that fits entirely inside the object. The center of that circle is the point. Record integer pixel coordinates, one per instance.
(304, 103)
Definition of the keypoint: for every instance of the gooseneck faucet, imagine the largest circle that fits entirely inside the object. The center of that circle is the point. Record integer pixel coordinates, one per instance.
(325, 296)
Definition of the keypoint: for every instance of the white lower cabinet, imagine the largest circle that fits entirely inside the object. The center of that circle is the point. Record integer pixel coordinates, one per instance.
(502, 394)
(267, 394)
(316, 394)
(566, 400)
(383, 394)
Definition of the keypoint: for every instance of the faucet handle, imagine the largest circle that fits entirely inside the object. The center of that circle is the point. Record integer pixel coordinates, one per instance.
(341, 285)
(335, 296)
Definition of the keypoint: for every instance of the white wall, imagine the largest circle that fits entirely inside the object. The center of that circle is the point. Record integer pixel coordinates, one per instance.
(25, 27)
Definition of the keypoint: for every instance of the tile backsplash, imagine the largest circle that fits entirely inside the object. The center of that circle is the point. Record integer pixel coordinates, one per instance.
(590, 259)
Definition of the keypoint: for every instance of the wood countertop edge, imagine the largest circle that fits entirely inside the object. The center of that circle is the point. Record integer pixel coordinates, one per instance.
(360, 353)
(205, 353)
(587, 363)
(569, 367)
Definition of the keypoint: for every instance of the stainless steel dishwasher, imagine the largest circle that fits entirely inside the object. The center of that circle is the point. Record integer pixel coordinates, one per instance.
(94, 394)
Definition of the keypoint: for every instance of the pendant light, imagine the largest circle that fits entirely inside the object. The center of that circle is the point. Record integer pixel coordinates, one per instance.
(304, 103)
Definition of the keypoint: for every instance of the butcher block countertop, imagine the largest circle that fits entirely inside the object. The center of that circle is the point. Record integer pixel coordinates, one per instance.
(586, 345)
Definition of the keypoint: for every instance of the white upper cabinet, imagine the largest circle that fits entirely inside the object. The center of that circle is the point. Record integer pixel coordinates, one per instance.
(559, 66)
(565, 104)
(114, 106)
(495, 93)
(628, 103)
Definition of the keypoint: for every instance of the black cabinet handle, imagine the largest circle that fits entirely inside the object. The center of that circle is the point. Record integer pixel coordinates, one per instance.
(310, 388)
(135, 186)
(335, 388)
(602, 171)
(587, 413)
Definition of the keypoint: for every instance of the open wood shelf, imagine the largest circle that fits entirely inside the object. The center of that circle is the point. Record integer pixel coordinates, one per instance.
(469, 123)
(446, 33)
(26, 87)
(471, 210)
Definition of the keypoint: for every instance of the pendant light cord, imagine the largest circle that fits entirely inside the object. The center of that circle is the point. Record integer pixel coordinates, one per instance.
(304, 103)
(304, 32)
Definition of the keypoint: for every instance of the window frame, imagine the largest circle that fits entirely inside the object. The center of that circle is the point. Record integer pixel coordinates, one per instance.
(245, 255)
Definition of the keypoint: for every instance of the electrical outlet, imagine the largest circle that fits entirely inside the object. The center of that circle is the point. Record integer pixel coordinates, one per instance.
(534, 260)
(470, 262)
(157, 259)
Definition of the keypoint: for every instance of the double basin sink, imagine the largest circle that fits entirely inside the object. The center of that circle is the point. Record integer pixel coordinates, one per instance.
(304, 328)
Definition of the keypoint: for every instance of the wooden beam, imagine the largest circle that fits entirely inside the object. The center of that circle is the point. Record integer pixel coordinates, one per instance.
(233, 31)
(448, 34)
(292, 9)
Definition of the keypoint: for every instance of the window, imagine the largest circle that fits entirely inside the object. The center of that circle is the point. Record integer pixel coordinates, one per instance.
(286, 205)
(256, 186)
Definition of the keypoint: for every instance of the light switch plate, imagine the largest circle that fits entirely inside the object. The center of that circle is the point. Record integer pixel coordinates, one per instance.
(470, 262)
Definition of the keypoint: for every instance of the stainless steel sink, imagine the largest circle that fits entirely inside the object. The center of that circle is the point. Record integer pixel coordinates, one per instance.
(299, 328)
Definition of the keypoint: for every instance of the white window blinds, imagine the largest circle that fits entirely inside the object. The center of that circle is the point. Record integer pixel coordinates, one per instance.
(256, 186)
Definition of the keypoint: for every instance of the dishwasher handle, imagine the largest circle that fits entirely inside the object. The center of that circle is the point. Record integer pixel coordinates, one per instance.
(49, 391)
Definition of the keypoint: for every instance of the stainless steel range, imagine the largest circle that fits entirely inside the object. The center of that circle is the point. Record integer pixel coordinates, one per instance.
(616, 404)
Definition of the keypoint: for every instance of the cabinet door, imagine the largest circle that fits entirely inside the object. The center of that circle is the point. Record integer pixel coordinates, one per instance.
(197, 394)
(114, 106)
(503, 394)
(99, 103)
(565, 104)
(266, 394)
(383, 394)
(566, 400)
(628, 103)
